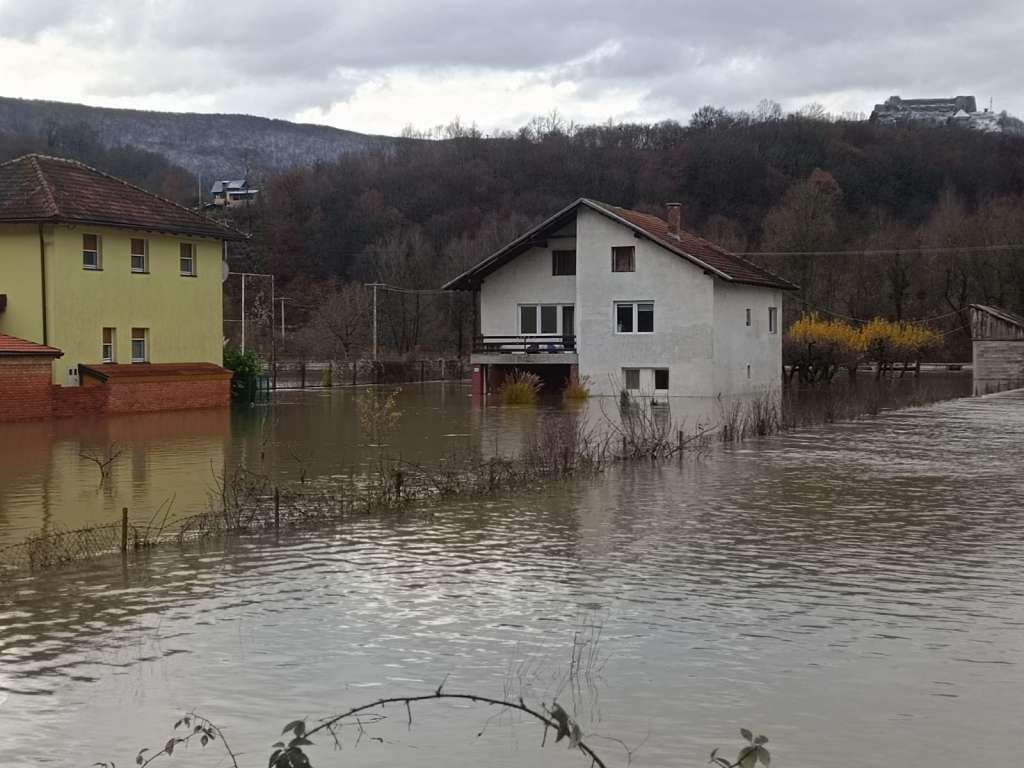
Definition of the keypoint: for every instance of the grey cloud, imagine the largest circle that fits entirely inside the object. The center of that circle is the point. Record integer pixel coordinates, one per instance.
(290, 56)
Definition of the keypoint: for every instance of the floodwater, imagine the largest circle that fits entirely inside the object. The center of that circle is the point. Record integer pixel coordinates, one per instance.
(855, 591)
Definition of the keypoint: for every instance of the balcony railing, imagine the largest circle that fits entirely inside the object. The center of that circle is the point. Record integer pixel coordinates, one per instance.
(524, 345)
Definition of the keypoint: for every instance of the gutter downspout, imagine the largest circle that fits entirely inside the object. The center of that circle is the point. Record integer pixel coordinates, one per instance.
(42, 278)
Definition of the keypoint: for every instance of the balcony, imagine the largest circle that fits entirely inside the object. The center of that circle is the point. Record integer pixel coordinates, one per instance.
(531, 350)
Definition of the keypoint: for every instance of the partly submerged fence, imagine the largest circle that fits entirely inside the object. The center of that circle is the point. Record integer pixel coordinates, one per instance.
(299, 374)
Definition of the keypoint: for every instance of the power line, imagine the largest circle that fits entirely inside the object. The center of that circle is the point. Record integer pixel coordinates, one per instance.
(893, 251)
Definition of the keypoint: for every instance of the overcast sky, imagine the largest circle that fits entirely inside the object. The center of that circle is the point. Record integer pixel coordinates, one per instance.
(379, 65)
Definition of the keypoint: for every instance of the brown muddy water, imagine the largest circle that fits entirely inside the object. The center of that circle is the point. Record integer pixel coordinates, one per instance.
(855, 591)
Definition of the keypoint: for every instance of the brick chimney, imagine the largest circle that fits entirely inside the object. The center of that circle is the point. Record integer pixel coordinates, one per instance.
(674, 217)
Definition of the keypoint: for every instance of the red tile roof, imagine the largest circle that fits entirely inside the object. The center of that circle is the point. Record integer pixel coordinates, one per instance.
(40, 188)
(12, 345)
(705, 254)
(728, 265)
(118, 372)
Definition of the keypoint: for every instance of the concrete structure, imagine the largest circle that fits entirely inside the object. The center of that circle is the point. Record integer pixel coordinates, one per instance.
(958, 111)
(229, 193)
(106, 272)
(630, 302)
(997, 342)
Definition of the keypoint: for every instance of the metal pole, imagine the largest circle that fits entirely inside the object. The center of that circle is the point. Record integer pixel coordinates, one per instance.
(243, 311)
(273, 345)
(375, 322)
(282, 318)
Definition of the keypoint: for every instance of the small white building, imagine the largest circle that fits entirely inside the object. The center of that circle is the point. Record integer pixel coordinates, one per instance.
(630, 302)
(229, 193)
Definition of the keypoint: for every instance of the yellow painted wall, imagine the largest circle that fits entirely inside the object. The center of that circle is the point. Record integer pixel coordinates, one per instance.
(184, 315)
(19, 279)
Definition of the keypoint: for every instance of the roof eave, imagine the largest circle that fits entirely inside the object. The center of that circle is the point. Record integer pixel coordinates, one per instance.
(226, 234)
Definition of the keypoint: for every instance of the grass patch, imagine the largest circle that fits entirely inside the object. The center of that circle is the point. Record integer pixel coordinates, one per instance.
(520, 388)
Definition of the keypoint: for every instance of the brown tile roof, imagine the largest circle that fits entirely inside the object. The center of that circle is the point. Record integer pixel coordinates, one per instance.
(705, 254)
(119, 372)
(40, 188)
(12, 345)
(728, 265)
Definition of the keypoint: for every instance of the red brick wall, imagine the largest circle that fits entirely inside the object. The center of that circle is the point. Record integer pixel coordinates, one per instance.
(79, 401)
(25, 388)
(143, 396)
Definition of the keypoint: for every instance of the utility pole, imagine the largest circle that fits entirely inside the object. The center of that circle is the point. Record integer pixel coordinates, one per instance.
(243, 311)
(375, 286)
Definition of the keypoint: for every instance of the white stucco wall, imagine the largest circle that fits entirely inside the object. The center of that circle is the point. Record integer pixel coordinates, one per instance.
(738, 345)
(527, 279)
(683, 311)
(700, 331)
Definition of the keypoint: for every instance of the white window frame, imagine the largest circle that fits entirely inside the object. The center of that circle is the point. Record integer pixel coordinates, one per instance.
(145, 255)
(636, 318)
(559, 316)
(191, 258)
(625, 379)
(97, 254)
(773, 320)
(108, 349)
(145, 345)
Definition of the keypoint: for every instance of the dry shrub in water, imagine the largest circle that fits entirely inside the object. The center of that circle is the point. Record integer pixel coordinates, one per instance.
(520, 388)
(576, 389)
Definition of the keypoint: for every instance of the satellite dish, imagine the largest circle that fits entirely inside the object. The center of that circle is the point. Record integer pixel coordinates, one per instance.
(225, 270)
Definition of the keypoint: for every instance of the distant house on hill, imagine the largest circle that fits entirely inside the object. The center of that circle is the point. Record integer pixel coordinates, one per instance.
(959, 111)
(228, 193)
(628, 300)
(125, 285)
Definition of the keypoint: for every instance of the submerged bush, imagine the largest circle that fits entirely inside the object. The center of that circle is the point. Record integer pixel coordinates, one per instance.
(520, 388)
(576, 389)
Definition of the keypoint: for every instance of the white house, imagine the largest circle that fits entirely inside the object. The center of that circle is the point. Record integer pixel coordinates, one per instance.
(629, 301)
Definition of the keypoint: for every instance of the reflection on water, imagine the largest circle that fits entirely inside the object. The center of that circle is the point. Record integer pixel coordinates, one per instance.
(176, 458)
(855, 591)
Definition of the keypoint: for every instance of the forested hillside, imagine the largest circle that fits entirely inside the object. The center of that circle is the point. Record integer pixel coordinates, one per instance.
(423, 211)
(209, 145)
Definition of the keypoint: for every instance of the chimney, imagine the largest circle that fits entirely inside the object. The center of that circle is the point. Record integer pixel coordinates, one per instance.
(675, 214)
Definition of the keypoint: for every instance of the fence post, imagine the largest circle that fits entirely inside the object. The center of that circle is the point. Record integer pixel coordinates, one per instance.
(277, 507)
(680, 441)
(302, 375)
(422, 363)
(355, 372)
(124, 530)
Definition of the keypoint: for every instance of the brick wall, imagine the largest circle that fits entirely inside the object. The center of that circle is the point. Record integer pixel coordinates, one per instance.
(79, 401)
(25, 389)
(145, 396)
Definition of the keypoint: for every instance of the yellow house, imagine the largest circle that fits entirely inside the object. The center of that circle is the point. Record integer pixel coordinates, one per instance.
(108, 273)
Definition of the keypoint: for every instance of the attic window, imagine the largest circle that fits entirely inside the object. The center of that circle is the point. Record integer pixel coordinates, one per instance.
(624, 258)
(563, 262)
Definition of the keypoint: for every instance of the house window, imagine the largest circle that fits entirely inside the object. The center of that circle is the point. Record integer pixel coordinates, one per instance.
(773, 320)
(140, 339)
(624, 258)
(188, 259)
(634, 317)
(748, 315)
(563, 262)
(549, 319)
(140, 250)
(544, 319)
(91, 251)
(661, 379)
(631, 377)
(108, 345)
(527, 320)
